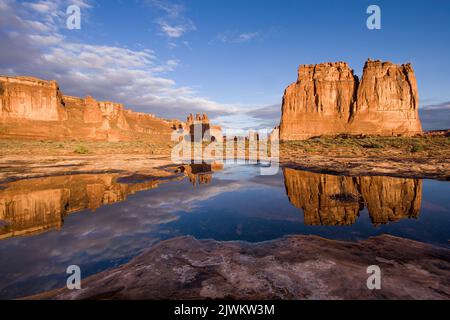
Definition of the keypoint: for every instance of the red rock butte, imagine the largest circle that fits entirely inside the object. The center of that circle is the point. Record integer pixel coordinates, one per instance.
(32, 108)
(328, 99)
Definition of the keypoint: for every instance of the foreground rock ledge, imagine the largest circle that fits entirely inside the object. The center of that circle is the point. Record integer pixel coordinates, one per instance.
(295, 267)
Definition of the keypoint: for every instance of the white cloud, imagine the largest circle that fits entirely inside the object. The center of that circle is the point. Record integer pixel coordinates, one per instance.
(173, 24)
(136, 78)
(234, 37)
(175, 31)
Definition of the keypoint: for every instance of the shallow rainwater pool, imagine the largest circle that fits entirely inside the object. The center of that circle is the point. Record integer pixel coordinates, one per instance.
(100, 221)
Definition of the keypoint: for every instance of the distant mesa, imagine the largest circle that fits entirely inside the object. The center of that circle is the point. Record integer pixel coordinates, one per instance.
(328, 99)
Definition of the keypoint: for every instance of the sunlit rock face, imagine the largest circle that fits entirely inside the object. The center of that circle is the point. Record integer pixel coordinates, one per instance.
(328, 99)
(319, 103)
(31, 207)
(387, 102)
(336, 200)
(30, 98)
(36, 109)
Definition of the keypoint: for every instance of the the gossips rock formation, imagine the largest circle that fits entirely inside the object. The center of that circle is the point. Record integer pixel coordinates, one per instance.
(328, 99)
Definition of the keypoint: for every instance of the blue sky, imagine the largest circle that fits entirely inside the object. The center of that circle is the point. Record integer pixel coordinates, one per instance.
(232, 59)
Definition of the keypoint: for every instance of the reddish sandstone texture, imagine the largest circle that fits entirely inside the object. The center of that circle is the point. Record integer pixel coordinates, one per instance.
(295, 267)
(328, 99)
(32, 108)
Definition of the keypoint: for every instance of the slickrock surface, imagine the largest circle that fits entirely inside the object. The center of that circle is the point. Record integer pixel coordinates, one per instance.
(328, 99)
(32, 108)
(296, 267)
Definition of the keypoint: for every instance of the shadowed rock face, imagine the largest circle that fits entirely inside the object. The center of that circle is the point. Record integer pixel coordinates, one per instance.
(337, 200)
(328, 99)
(295, 267)
(33, 206)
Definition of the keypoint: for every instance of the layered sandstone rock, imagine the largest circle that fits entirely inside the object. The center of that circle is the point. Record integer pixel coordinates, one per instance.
(30, 98)
(319, 102)
(338, 200)
(328, 99)
(294, 267)
(387, 101)
(199, 128)
(36, 109)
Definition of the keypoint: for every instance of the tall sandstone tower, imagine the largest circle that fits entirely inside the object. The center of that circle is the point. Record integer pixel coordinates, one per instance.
(328, 99)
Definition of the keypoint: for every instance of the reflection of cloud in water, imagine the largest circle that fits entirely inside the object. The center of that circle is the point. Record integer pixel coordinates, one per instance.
(237, 202)
(113, 232)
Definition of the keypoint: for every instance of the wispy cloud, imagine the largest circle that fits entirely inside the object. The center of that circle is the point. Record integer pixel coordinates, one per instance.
(235, 37)
(138, 77)
(173, 24)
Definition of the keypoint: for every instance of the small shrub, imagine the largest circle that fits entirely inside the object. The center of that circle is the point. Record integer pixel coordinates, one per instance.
(81, 149)
(372, 145)
(416, 148)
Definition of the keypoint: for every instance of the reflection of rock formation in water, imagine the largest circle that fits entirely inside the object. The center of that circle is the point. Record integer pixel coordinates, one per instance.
(337, 200)
(36, 205)
(200, 173)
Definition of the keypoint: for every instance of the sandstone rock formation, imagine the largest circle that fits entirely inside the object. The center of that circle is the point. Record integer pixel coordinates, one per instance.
(338, 200)
(199, 128)
(36, 109)
(295, 267)
(30, 98)
(328, 99)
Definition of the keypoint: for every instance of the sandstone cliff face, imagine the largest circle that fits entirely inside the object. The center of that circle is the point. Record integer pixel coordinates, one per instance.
(30, 98)
(337, 200)
(328, 99)
(36, 109)
(319, 102)
(388, 101)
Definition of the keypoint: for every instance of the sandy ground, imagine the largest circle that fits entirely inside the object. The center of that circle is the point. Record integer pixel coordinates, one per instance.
(23, 167)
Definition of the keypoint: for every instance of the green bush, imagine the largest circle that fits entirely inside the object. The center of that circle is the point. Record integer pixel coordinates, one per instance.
(416, 148)
(373, 145)
(81, 149)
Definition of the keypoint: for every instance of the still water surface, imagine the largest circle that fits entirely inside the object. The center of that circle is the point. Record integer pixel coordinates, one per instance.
(100, 221)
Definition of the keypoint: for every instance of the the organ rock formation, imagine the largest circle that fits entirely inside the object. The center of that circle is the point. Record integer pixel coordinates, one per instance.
(338, 200)
(328, 99)
(32, 108)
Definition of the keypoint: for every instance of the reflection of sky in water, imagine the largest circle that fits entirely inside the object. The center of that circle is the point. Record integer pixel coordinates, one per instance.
(238, 204)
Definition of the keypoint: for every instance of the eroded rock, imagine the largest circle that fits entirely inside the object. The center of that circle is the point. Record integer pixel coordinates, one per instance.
(328, 99)
(295, 267)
